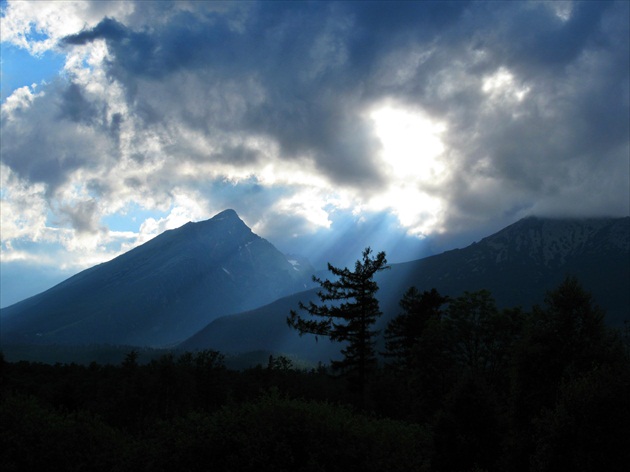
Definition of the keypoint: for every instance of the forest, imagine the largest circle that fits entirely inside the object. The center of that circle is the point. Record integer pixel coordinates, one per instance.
(459, 385)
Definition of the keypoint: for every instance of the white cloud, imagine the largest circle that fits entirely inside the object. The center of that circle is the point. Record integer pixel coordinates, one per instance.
(185, 207)
(23, 209)
(20, 100)
(501, 86)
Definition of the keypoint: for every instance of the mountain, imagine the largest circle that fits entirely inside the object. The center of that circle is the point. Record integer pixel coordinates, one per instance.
(162, 291)
(518, 265)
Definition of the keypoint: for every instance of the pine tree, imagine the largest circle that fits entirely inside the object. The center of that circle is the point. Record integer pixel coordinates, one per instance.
(565, 343)
(404, 332)
(351, 320)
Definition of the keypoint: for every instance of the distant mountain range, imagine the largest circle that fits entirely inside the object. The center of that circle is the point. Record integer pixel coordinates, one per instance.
(217, 285)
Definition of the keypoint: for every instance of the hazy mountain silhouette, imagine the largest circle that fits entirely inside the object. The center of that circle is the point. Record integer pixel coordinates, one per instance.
(518, 265)
(162, 291)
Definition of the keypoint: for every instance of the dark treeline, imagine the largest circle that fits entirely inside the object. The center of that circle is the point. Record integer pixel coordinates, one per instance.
(460, 386)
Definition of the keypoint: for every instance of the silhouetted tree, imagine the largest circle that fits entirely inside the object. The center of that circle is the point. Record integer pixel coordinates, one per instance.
(482, 337)
(405, 331)
(467, 321)
(131, 360)
(351, 320)
(467, 429)
(589, 426)
(564, 340)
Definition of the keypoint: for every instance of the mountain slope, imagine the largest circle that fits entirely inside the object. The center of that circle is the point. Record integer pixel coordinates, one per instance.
(518, 265)
(162, 291)
(264, 329)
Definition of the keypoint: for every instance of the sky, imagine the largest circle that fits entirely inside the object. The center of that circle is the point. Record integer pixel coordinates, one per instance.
(411, 127)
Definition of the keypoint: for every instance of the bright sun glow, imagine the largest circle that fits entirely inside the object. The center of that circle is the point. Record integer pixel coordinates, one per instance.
(411, 143)
(411, 150)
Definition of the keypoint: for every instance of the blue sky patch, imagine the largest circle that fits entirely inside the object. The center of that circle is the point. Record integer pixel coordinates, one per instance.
(19, 68)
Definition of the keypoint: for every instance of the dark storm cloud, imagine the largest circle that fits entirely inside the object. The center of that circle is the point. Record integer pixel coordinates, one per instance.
(107, 29)
(41, 143)
(187, 41)
(75, 107)
(313, 61)
(380, 27)
(82, 216)
(239, 155)
(303, 118)
(303, 75)
(544, 40)
(569, 138)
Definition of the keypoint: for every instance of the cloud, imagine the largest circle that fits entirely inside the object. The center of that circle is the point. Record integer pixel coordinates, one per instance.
(38, 27)
(82, 216)
(108, 29)
(547, 40)
(24, 207)
(268, 108)
(52, 135)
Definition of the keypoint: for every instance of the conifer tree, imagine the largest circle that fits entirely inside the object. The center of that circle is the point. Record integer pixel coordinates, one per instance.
(351, 316)
(405, 331)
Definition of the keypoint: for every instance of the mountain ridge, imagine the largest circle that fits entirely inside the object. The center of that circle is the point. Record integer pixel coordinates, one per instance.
(580, 232)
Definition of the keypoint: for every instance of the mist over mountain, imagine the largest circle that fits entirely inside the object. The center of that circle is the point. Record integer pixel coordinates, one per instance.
(162, 291)
(518, 264)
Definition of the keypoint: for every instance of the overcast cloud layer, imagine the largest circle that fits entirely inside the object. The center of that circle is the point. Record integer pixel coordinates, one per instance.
(311, 120)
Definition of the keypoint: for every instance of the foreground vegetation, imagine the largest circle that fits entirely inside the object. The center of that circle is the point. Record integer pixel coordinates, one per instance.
(461, 386)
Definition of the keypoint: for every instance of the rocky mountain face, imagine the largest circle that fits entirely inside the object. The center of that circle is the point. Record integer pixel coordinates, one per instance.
(162, 291)
(553, 243)
(519, 264)
(523, 261)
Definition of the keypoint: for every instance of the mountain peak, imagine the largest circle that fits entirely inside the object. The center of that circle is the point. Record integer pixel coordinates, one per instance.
(229, 213)
(226, 222)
